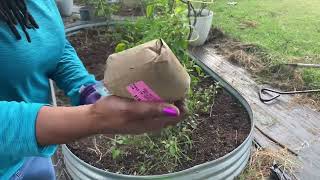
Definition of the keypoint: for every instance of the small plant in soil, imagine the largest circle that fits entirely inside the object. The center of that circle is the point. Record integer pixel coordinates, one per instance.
(216, 124)
(101, 8)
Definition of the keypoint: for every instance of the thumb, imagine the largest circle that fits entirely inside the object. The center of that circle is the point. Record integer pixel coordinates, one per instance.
(145, 110)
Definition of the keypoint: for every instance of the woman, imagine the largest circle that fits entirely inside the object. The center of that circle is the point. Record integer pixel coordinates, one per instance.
(33, 48)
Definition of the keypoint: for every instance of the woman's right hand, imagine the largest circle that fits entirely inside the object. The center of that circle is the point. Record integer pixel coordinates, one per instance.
(115, 115)
(109, 115)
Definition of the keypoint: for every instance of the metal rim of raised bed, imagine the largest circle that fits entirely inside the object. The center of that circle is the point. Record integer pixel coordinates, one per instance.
(225, 167)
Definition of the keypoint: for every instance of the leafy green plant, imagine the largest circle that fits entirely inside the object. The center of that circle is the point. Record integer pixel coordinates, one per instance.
(115, 153)
(101, 7)
(120, 47)
(165, 19)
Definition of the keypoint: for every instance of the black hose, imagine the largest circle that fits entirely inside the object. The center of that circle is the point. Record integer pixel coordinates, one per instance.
(277, 94)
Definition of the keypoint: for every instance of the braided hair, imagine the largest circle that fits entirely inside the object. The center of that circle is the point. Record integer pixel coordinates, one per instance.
(14, 12)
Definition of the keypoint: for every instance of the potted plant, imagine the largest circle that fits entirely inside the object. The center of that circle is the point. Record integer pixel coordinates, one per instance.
(182, 152)
(214, 140)
(65, 7)
(200, 21)
(93, 9)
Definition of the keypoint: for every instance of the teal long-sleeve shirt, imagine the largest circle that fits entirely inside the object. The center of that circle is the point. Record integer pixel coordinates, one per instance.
(24, 87)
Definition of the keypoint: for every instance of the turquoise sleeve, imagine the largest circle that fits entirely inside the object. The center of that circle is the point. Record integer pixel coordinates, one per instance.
(18, 132)
(70, 74)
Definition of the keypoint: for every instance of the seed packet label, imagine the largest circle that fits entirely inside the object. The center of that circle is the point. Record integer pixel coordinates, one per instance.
(140, 91)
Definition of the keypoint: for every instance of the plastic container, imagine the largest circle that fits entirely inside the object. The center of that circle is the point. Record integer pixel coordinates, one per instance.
(92, 93)
(201, 28)
(65, 7)
(85, 13)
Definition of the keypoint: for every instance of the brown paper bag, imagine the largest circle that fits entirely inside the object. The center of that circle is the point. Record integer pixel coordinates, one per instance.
(148, 72)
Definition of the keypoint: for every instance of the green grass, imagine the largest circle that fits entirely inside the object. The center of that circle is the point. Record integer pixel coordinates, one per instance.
(286, 29)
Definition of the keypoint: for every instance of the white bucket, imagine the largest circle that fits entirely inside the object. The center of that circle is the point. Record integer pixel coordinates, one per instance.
(201, 28)
(65, 7)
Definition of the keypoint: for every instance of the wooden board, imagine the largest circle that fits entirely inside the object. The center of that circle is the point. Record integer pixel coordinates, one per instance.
(293, 125)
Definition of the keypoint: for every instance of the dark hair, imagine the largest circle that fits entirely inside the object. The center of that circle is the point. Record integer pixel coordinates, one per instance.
(14, 12)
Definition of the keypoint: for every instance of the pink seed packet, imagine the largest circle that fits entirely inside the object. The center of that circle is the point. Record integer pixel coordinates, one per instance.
(140, 91)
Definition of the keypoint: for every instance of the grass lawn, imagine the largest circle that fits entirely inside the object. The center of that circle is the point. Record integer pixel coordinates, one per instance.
(288, 30)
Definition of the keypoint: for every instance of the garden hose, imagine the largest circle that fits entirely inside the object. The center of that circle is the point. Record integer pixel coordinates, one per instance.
(276, 94)
(304, 65)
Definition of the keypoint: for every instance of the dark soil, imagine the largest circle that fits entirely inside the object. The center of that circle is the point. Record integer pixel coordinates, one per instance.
(93, 48)
(246, 55)
(218, 133)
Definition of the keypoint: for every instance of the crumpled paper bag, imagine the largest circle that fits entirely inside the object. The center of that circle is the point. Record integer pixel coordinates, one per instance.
(148, 72)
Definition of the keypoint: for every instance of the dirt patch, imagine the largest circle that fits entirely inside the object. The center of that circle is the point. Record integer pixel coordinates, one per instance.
(218, 132)
(93, 48)
(248, 24)
(259, 63)
(312, 103)
(235, 51)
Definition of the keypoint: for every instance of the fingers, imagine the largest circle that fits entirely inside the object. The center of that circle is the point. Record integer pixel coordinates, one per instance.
(182, 106)
(155, 116)
(143, 110)
(125, 116)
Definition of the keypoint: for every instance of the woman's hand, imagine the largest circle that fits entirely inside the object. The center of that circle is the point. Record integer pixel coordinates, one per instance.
(115, 115)
(109, 115)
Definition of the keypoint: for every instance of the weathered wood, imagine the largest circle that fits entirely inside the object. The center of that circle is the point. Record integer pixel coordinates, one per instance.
(263, 141)
(290, 124)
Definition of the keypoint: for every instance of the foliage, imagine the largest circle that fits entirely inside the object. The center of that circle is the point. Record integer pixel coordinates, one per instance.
(165, 19)
(196, 7)
(102, 7)
(287, 30)
(312, 78)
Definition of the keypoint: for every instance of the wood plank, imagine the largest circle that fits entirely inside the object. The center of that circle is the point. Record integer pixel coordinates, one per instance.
(290, 124)
(310, 157)
(264, 141)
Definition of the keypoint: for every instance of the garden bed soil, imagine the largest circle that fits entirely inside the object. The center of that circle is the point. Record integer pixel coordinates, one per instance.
(219, 132)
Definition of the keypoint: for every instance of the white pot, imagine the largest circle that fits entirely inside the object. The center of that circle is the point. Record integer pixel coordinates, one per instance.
(202, 28)
(131, 3)
(65, 7)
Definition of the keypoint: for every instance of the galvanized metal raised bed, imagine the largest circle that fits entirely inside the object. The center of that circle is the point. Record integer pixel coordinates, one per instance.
(224, 168)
